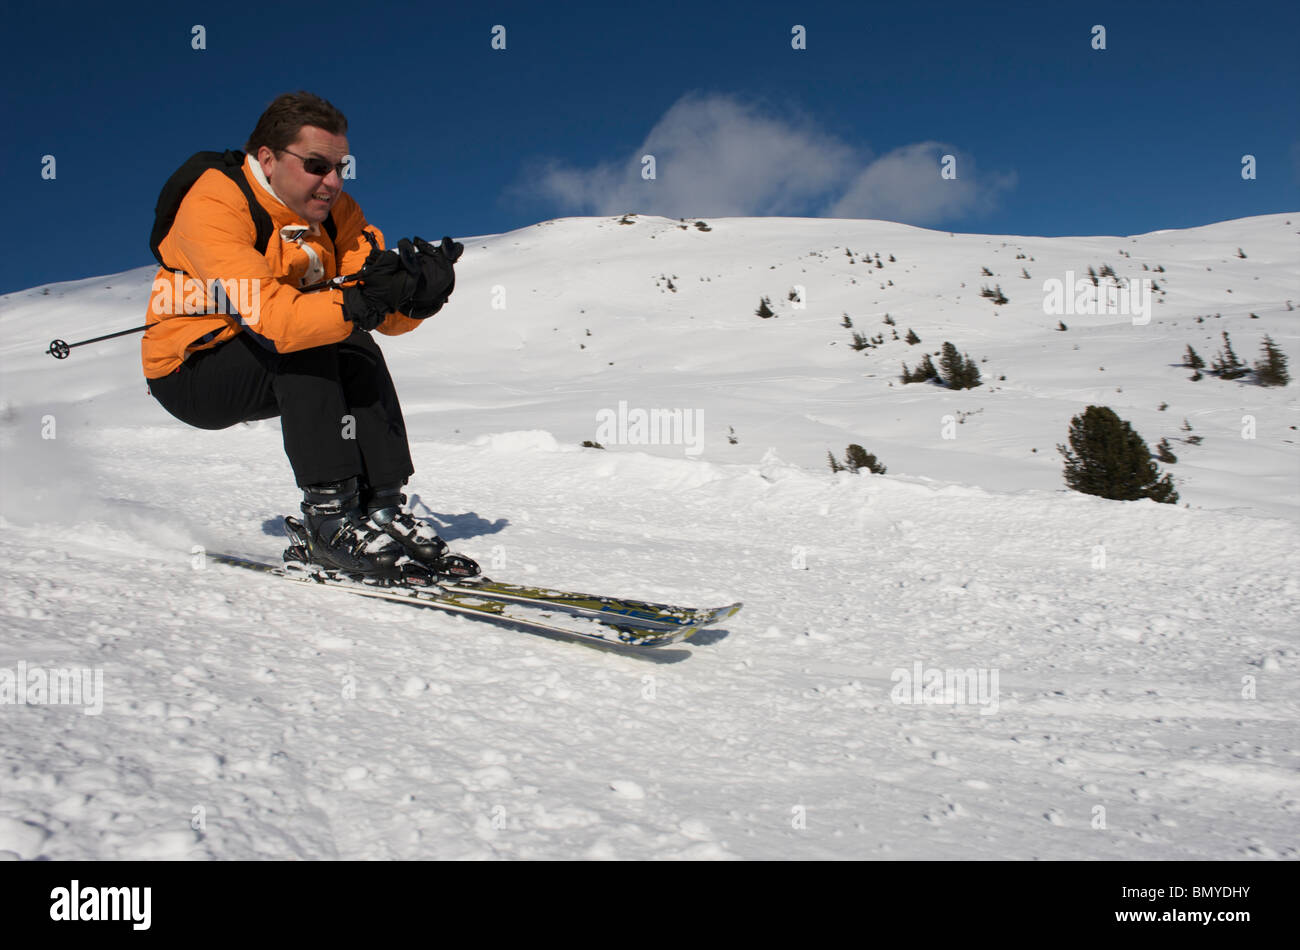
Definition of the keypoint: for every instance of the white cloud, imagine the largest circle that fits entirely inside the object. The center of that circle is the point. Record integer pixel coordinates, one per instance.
(713, 156)
(906, 185)
(716, 155)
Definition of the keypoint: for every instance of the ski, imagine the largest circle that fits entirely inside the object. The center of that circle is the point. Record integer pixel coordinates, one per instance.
(648, 614)
(614, 610)
(610, 630)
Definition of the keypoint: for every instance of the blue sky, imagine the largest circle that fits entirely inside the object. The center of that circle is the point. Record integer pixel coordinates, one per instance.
(452, 137)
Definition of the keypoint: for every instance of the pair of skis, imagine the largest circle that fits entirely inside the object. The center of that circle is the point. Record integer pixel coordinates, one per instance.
(589, 618)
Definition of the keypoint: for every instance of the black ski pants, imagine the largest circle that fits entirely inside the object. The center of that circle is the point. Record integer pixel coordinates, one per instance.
(337, 405)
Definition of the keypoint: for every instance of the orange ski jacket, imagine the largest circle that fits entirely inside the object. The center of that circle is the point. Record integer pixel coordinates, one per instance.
(228, 287)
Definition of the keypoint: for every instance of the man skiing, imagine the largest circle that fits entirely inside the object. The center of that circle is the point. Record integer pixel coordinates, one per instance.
(261, 228)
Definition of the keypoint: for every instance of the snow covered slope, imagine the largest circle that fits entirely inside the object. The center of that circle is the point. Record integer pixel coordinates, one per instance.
(1132, 665)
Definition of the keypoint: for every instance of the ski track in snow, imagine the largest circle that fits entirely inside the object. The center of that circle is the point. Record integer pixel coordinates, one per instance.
(1120, 686)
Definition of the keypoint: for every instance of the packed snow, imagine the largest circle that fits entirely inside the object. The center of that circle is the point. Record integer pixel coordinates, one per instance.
(956, 659)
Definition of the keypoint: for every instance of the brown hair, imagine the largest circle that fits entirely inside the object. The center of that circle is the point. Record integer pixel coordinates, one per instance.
(285, 117)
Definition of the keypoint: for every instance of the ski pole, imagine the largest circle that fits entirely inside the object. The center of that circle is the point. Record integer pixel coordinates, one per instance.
(61, 350)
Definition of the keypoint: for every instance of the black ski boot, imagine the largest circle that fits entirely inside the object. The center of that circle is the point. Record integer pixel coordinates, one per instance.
(386, 509)
(339, 536)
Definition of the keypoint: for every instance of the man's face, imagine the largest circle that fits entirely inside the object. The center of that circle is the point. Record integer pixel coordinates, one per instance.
(308, 196)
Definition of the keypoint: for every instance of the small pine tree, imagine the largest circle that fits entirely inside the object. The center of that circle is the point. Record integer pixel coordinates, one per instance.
(857, 458)
(860, 342)
(847, 323)
(923, 373)
(1226, 365)
(1164, 453)
(912, 338)
(835, 465)
(958, 372)
(1107, 458)
(1060, 325)
(1271, 370)
(1191, 360)
(889, 321)
(986, 272)
(764, 309)
(1093, 275)
(951, 365)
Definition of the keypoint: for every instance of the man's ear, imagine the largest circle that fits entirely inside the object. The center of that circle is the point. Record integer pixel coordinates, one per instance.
(265, 158)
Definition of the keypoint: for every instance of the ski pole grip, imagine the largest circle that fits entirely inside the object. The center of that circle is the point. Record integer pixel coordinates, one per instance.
(333, 282)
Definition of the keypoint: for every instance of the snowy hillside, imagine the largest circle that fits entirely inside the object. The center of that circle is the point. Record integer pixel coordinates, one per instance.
(1136, 661)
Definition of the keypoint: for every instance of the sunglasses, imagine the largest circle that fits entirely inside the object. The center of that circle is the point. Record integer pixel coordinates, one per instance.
(316, 165)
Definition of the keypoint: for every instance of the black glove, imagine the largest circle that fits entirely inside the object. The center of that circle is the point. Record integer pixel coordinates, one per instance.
(389, 285)
(452, 250)
(437, 276)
